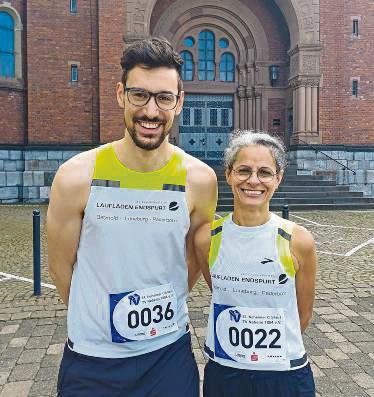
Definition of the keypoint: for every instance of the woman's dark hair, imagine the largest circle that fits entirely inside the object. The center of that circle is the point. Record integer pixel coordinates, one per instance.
(153, 52)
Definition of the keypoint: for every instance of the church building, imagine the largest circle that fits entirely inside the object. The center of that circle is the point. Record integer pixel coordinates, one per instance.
(299, 69)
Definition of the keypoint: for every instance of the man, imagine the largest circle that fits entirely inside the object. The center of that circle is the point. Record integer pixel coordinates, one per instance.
(121, 225)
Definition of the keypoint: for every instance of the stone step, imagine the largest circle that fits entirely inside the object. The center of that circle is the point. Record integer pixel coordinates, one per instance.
(225, 188)
(314, 188)
(296, 183)
(222, 174)
(319, 200)
(309, 207)
(304, 194)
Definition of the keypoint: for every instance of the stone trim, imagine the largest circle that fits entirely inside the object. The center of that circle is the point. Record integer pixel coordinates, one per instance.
(6, 7)
(238, 21)
(302, 17)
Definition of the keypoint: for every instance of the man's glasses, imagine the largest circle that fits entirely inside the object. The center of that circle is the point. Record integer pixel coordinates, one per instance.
(263, 174)
(140, 97)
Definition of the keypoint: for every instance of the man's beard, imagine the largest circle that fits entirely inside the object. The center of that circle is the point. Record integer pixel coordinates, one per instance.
(147, 145)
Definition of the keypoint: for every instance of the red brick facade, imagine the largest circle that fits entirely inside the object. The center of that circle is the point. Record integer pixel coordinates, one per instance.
(345, 119)
(60, 111)
(46, 108)
(111, 31)
(12, 111)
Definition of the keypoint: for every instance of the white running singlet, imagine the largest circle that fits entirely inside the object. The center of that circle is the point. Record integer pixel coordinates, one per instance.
(129, 286)
(254, 320)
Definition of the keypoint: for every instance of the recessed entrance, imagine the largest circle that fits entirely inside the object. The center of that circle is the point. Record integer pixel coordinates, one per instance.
(205, 124)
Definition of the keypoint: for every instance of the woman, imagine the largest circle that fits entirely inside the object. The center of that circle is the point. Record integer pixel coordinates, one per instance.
(262, 275)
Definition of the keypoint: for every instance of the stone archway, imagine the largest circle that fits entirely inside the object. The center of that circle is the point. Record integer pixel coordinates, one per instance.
(252, 51)
(302, 17)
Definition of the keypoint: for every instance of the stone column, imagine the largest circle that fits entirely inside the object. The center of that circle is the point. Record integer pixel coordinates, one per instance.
(294, 105)
(258, 112)
(314, 109)
(301, 109)
(241, 96)
(249, 109)
(304, 80)
(308, 108)
(250, 114)
(245, 107)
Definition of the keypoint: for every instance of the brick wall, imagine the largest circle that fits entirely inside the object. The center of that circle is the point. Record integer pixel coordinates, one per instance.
(343, 118)
(111, 46)
(60, 111)
(12, 112)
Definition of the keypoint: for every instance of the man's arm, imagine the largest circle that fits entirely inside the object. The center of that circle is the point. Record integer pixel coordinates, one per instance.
(203, 200)
(304, 253)
(69, 194)
(202, 247)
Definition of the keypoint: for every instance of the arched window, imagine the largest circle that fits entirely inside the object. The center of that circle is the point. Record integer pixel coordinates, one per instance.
(227, 67)
(187, 68)
(206, 55)
(7, 53)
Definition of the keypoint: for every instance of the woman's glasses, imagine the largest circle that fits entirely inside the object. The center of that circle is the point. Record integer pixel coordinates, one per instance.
(263, 174)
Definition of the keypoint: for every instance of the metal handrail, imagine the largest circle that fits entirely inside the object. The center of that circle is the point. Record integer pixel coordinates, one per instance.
(336, 161)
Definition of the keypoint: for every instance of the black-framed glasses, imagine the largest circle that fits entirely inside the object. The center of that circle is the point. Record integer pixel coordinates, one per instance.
(263, 174)
(140, 97)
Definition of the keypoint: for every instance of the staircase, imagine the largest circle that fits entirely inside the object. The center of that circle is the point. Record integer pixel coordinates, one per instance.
(301, 193)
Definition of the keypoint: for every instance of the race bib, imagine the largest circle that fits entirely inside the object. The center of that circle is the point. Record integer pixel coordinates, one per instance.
(250, 336)
(143, 314)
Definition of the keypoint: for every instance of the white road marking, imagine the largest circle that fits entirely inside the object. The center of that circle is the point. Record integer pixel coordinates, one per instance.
(359, 211)
(27, 280)
(355, 249)
(348, 227)
(307, 220)
(336, 226)
(330, 253)
(352, 251)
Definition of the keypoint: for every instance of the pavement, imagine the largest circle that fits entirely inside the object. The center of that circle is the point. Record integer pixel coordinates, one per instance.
(339, 342)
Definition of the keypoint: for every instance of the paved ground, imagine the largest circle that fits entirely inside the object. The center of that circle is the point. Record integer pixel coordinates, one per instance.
(340, 341)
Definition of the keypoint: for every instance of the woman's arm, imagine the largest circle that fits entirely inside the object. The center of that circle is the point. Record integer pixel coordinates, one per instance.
(303, 252)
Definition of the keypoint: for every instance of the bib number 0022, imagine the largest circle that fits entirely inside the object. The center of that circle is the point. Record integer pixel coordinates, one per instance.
(249, 335)
(246, 338)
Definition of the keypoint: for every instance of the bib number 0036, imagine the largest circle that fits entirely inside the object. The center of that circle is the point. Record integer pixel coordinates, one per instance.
(147, 316)
(143, 314)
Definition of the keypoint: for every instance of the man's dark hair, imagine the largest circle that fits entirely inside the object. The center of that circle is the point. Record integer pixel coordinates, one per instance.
(153, 52)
